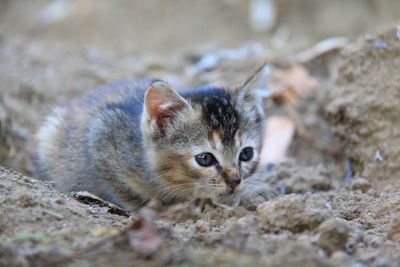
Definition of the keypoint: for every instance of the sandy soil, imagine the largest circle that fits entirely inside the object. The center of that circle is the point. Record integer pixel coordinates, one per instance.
(364, 105)
(320, 220)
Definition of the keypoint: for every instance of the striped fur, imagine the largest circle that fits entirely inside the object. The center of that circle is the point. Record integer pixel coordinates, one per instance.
(135, 140)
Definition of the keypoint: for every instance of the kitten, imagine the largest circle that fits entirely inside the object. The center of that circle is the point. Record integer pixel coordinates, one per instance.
(132, 141)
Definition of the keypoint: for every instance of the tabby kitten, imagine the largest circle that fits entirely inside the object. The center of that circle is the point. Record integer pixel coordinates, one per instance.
(132, 141)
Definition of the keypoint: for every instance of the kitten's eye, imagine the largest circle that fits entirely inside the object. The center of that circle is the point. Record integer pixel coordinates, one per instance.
(205, 159)
(246, 154)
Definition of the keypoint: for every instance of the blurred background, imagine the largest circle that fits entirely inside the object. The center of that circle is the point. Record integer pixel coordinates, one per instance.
(52, 51)
(123, 26)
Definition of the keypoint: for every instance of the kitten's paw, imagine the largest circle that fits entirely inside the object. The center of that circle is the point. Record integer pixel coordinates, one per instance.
(255, 193)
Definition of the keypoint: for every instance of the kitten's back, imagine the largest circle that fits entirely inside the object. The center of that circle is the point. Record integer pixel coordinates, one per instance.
(62, 150)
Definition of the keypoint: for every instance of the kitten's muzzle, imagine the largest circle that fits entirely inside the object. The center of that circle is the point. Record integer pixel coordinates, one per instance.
(233, 181)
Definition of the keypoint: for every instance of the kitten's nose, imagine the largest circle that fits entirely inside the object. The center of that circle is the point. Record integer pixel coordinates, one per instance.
(234, 181)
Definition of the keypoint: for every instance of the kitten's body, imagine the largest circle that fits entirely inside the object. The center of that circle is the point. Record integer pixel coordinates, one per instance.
(132, 141)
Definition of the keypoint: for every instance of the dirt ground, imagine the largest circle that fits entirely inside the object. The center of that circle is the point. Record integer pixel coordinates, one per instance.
(333, 210)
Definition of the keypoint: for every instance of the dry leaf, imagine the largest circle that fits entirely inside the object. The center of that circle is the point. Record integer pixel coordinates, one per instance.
(300, 80)
(321, 49)
(279, 132)
(285, 96)
(287, 85)
(144, 237)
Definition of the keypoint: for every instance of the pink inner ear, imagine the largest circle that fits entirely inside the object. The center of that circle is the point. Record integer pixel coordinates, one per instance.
(161, 105)
(153, 102)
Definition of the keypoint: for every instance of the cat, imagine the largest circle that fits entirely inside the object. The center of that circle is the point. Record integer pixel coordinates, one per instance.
(132, 141)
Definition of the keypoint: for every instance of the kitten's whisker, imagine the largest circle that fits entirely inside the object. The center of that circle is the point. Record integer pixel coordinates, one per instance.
(166, 192)
(176, 186)
(267, 193)
(258, 188)
(263, 183)
(172, 191)
(194, 198)
(157, 177)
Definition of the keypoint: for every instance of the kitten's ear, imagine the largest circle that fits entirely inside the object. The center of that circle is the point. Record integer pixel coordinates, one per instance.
(249, 100)
(162, 103)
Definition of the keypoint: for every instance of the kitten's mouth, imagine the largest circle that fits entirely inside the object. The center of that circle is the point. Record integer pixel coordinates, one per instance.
(228, 191)
(217, 196)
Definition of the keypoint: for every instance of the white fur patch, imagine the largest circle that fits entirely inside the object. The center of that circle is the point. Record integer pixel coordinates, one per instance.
(218, 142)
(166, 105)
(48, 133)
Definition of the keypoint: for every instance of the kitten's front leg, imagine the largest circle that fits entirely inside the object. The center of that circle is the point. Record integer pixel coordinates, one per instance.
(255, 192)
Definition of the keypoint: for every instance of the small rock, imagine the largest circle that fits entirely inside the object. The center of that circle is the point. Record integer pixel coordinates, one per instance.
(29, 180)
(97, 210)
(202, 226)
(244, 225)
(291, 213)
(299, 254)
(394, 230)
(26, 201)
(361, 184)
(333, 235)
(300, 179)
(60, 201)
(248, 221)
(231, 225)
(341, 258)
(302, 183)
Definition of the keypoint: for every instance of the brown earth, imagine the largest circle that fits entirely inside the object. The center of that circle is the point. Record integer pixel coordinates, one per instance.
(364, 104)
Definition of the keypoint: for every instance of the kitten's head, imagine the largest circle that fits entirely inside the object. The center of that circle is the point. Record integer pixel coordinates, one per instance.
(205, 142)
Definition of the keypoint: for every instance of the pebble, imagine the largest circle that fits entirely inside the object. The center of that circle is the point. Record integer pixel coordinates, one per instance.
(26, 201)
(394, 229)
(248, 221)
(290, 213)
(60, 201)
(361, 184)
(202, 226)
(333, 235)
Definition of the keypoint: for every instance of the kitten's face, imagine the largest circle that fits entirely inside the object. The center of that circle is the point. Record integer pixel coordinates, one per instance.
(204, 144)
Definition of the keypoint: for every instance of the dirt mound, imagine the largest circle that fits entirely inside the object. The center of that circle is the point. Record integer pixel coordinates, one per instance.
(36, 219)
(364, 104)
